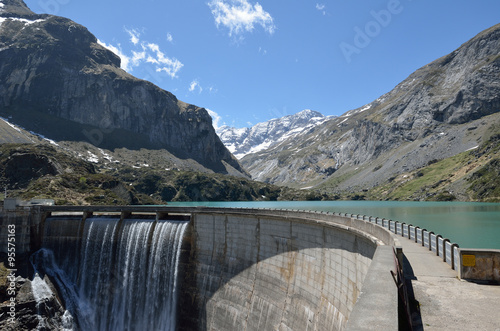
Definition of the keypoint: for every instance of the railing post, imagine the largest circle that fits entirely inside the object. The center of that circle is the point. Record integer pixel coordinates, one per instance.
(444, 249)
(453, 262)
(430, 240)
(437, 243)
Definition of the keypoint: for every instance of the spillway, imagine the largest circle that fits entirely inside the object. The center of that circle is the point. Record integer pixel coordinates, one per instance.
(112, 274)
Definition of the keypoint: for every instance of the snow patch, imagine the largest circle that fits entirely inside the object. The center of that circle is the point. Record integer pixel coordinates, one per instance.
(139, 166)
(365, 108)
(106, 155)
(10, 124)
(472, 148)
(52, 142)
(22, 20)
(357, 111)
(342, 121)
(92, 157)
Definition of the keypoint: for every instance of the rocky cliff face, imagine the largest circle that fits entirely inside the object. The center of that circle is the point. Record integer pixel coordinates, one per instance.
(56, 80)
(243, 141)
(446, 107)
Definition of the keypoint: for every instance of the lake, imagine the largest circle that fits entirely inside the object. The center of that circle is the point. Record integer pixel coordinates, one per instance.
(469, 224)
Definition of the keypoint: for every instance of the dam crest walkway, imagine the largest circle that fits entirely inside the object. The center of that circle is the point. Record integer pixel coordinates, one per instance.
(444, 301)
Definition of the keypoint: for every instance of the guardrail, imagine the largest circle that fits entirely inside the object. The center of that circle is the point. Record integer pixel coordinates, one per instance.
(479, 265)
(442, 247)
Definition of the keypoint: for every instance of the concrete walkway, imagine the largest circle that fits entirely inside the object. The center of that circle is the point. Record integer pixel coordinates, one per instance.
(447, 303)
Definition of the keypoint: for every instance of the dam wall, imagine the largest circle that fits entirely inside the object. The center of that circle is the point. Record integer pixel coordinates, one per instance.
(16, 224)
(254, 269)
(280, 270)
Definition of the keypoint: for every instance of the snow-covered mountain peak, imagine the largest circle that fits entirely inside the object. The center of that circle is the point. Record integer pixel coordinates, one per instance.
(243, 141)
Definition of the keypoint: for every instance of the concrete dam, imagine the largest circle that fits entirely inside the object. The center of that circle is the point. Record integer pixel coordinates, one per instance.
(174, 268)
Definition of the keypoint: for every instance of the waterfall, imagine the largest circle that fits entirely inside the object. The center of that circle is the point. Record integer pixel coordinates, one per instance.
(115, 275)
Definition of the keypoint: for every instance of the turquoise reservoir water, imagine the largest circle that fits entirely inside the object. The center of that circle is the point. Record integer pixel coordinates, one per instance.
(469, 224)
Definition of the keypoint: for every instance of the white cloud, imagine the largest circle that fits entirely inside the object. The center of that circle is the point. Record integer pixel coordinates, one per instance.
(169, 65)
(321, 7)
(170, 38)
(145, 52)
(216, 119)
(195, 85)
(172, 67)
(134, 36)
(138, 57)
(154, 47)
(125, 63)
(240, 16)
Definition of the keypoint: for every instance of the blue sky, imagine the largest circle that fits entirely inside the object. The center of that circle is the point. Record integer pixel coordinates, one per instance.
(249, 61)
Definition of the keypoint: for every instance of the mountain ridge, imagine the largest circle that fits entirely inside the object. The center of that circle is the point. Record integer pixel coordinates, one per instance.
(244, 141)
(440, 110)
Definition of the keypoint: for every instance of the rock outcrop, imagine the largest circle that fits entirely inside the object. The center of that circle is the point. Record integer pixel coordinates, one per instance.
(36, 306)
(56, 80)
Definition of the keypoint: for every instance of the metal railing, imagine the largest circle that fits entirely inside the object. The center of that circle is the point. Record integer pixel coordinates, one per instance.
(442, 247)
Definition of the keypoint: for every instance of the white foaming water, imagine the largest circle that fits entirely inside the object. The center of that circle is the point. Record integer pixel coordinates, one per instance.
(125, 276)
(40, 289)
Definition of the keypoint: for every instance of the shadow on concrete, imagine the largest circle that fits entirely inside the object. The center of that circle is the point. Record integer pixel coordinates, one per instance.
(414, 305)
(225, 266)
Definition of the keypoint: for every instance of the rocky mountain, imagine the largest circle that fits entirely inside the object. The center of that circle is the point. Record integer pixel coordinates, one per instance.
(444, 108)
(33, 166)
(56, 80)
(243, 141)
(44, 170)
